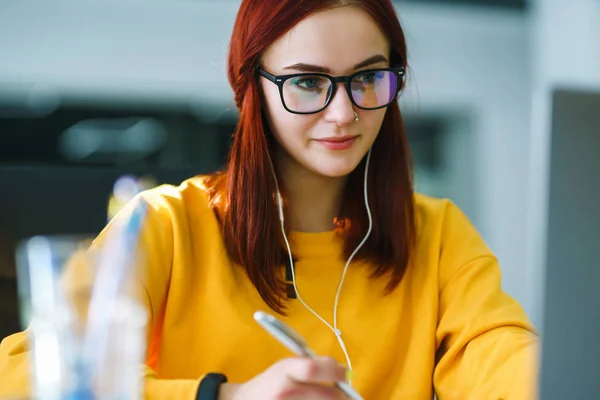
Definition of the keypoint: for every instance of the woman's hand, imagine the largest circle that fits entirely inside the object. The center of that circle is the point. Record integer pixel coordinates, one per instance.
(291, 379)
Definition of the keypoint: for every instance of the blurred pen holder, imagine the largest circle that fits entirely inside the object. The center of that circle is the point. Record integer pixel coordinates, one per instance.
(56, 276)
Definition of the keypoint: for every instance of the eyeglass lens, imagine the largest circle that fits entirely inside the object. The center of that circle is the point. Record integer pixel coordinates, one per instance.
(309, 93)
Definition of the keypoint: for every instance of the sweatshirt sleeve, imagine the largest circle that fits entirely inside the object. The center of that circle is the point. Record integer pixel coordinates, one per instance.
(152, 271)
(486, 346)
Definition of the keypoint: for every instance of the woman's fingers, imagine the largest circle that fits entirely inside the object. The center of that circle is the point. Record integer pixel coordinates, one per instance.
(292, 379)
(312, 391)
(307, 370)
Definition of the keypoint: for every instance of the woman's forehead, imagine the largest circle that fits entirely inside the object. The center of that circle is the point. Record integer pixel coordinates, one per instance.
(337, 38)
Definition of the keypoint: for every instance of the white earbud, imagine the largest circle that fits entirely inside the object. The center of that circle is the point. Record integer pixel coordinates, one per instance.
(280, 206)
(334, 328)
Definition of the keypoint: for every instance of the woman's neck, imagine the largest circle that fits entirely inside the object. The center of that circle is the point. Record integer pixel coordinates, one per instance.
(312, 200)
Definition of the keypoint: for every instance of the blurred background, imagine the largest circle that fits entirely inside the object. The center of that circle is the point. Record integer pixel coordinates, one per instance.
(94, 90)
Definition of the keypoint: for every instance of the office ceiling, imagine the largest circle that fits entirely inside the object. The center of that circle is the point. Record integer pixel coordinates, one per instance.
(508, 4)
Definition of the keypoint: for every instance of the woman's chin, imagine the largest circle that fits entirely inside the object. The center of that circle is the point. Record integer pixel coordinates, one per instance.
(334, 171)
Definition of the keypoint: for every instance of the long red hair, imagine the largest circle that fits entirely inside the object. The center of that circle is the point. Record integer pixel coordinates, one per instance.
(246, 188)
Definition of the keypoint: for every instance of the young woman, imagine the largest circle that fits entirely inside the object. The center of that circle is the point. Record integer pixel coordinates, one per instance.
(315, 219)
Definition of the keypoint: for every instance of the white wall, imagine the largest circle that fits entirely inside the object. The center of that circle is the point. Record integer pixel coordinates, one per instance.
(473, 62)
(476, 61)
(158, 51)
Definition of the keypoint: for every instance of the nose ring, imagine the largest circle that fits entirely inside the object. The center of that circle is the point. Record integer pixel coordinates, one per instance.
(355, 119)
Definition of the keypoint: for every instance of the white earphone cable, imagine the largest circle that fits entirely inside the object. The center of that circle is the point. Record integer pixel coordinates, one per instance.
(333, 328)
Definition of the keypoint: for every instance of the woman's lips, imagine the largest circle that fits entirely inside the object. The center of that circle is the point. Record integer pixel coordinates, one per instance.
(337, 143)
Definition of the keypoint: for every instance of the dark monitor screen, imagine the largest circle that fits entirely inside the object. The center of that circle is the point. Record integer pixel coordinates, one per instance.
(571, 327)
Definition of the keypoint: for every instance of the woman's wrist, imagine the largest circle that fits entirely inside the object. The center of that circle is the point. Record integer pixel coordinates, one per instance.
(227, 391)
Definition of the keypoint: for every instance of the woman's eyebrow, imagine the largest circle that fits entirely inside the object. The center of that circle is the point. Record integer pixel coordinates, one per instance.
(303, 67)
(371, 60)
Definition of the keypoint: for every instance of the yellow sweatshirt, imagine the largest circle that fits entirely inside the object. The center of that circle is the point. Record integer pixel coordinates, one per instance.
(448, 327)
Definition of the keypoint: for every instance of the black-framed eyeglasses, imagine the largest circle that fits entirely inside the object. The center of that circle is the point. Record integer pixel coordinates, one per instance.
(309, 93)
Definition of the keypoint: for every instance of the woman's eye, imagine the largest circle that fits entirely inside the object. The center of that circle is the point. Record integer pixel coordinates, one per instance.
(308, 83)
(369, 77)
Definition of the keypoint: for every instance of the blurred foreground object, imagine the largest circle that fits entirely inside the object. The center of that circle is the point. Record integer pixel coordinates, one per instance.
(125, 189)
(87, 333)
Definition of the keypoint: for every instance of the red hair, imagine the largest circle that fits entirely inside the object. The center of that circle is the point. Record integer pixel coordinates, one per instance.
(249, 215)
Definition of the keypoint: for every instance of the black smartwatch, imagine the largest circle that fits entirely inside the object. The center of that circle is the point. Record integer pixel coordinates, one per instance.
(209, 386)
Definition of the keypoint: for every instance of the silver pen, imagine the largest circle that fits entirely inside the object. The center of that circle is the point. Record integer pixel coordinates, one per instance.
(293, 341)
